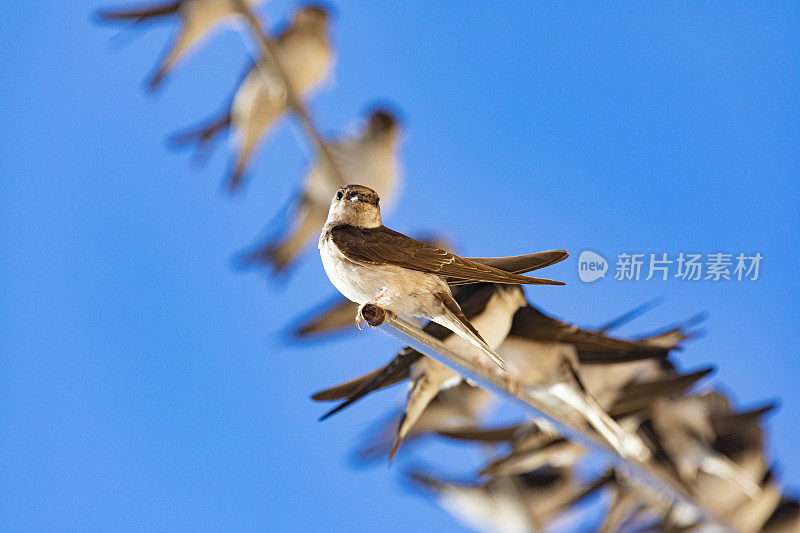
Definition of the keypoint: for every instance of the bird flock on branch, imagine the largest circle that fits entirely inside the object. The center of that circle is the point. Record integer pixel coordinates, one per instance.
(630, 393)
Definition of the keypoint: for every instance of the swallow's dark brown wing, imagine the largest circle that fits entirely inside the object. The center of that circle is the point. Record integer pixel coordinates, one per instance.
(347, 389)
(638, 396)
(495, 435)
(382, 246)
(393, 372)
(139, 14)
(518, 264)
(473, 300)
(592, 347)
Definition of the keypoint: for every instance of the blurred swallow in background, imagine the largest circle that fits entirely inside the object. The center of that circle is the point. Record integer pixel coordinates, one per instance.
(492, 308)
(535, 444)
(520, 503)
(453, 407)
(371, 264)
(685, 431)
(304, 53)
(489, 307)
(550, 373)
(197, 20)
(785, 518)
(370, 158)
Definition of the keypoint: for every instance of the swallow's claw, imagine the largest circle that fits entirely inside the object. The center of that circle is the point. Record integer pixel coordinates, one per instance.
(359, 318)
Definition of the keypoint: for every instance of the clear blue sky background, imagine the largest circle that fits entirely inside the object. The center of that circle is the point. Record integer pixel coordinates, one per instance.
(142, 386)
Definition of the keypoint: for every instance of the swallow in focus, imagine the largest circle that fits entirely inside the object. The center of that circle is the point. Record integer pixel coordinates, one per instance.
(305, 55)
(371, 264)
(197, 20)
(370, 158)
(337, 313)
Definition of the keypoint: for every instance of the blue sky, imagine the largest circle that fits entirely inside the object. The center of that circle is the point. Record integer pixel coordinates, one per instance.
(143, 386)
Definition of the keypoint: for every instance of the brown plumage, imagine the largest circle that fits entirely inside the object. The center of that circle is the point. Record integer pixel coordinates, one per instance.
(383, 246)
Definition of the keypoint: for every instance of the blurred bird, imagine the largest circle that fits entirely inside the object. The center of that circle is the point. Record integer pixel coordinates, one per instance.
(604, 382)
(521, 503)
(371, 264)
(684, 429)
(535, 444)
(489, 307)
(304, 53)
(452, 407)
(369, 158)
(197, 20)
(491, 316)
(550, 373)
(496, 308)
(785, 518)
(738, 437)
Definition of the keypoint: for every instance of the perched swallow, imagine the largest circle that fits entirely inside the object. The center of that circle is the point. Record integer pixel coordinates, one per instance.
(428, 376)
(550, 373)
(593, 348)
(337, 313)
(739, 437)
(304, 53)
(603, 382)
(685, 431)
(534, 444)
(490, 307)
(369, 158)
(371, 264)
(198, 19)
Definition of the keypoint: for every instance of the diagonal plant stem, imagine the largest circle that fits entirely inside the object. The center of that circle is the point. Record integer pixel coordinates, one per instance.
(642, 473)
(294, 102)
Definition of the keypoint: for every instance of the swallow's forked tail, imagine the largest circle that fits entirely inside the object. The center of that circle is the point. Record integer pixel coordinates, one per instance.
(454, 319)
(203, 134)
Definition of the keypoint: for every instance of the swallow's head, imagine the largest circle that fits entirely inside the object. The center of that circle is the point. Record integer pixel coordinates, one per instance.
(313, 18)
(355, 205)
(383, 125)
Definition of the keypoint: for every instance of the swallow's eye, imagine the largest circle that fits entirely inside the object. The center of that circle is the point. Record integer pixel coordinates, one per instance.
(339, 195)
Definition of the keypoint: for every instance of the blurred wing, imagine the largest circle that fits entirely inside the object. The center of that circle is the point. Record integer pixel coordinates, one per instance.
(592, 347)
(333, 318)
(382, 246)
